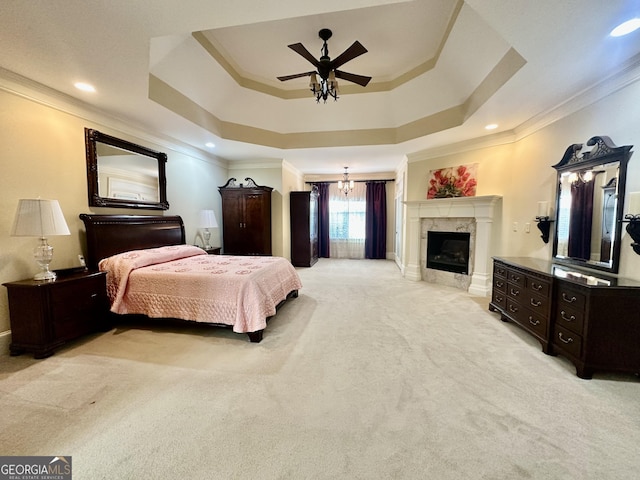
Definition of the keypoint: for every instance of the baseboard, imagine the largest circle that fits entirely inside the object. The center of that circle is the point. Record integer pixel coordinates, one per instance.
(5, 340)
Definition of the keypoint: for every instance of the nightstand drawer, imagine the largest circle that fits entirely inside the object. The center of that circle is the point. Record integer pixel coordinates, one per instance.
(44, 315)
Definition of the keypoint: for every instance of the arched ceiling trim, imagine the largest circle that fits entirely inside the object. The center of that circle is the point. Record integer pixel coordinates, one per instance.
(165, 95)
(215, 51)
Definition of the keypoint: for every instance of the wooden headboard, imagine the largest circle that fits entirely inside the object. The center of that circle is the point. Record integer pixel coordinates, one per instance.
(112, 234)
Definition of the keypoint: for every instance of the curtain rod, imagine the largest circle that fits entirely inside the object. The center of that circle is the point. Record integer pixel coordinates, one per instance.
(356, 181)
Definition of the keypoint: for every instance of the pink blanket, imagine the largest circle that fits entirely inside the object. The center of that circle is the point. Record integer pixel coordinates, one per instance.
(183, 282)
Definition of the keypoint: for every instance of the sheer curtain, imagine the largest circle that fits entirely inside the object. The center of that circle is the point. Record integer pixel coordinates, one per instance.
(347, 218)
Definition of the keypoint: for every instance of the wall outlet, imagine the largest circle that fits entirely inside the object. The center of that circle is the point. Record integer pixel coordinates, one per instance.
(81, 260)
(527, 227)
(515, 226)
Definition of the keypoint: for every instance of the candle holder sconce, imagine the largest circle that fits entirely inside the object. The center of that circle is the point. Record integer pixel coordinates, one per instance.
(544, 225)
(633, 229)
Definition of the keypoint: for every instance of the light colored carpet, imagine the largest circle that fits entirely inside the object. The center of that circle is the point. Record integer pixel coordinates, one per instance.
(365, 376)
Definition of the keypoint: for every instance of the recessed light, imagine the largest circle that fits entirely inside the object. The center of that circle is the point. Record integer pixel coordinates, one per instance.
(210, 144)
(626, 27)
(491, 126)
(85, 87)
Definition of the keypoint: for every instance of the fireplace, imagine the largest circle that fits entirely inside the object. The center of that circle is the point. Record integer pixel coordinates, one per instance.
(448, 251)
(473, 215)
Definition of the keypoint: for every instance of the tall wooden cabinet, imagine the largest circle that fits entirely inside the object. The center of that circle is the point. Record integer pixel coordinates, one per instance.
(246, 218)
(303, 208)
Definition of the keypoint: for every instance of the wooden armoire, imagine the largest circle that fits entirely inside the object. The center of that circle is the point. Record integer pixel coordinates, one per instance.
(246, 218)
(303, 207)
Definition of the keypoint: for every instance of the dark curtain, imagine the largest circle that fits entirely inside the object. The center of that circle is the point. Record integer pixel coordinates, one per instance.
(323, 213)
(580, 220)
(375, 244)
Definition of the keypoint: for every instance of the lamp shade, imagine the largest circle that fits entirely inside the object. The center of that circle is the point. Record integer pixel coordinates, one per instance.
(39, 218)
(207, 219)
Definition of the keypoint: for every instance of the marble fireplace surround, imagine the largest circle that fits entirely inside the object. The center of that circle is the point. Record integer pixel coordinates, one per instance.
(458, 211)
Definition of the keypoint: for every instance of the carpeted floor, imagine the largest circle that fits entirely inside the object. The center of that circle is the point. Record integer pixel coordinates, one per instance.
(365, 376)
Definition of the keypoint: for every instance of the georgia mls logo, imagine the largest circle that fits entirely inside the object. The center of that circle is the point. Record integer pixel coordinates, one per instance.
(35, 468)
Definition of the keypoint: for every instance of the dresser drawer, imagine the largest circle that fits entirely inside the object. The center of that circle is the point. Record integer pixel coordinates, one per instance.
(568, 341)
(526, 318)
(499, 299)
(570, 318)
(515, 291)
(515, 277)
(537, 286)
(500, 284)
(566, 297)
(499, 270)
(536, 303)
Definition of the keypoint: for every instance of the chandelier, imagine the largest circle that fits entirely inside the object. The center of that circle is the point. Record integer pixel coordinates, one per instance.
(328, 87)
(345, 184)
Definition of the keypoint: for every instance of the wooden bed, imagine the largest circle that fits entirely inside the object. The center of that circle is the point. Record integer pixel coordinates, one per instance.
(111, 236)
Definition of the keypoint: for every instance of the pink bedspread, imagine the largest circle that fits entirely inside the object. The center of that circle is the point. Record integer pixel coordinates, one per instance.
(184, 282)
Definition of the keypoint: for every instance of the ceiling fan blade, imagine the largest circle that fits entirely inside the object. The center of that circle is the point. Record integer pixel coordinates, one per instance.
(297, 75)
(299, 49)
(352, 77)
(355, 50)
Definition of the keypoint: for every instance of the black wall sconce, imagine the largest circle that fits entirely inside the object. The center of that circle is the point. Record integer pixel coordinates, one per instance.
(544, 225)
(633, 229)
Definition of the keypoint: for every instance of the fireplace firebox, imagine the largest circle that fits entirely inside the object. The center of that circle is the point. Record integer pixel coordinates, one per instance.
(448, 251)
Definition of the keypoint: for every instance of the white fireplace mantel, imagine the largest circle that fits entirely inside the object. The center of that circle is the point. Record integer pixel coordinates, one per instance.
(483, 209)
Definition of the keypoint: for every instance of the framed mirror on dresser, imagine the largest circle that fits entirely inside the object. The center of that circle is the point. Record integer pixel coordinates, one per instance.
(574, 304)
(589, 205)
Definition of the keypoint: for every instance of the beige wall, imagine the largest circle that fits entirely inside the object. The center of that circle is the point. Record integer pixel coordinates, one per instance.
(43, 155)
(521, 171)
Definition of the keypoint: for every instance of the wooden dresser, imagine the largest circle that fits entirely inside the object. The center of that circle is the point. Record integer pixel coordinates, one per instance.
(522, 293)
(590, 318)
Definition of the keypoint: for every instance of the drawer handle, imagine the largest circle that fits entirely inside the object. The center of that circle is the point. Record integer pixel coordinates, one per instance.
(567, 299)
(515, 278)
(500, 271)
(536, 286)
(515, 293)
(567, 341)
(563, 314)
(499, 284)
(535, 304)
(513, 309)
(499, 299)
(533, 322)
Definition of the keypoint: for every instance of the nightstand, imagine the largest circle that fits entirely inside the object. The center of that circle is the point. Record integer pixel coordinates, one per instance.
(212, 250)
(45, 315)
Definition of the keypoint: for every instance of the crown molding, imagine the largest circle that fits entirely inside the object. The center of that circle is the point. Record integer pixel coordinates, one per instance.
(36, 92)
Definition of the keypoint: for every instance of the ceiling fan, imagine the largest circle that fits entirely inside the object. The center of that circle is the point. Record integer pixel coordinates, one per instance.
(327, 69)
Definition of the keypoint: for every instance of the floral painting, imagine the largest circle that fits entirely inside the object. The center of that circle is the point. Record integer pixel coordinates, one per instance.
(453, 182)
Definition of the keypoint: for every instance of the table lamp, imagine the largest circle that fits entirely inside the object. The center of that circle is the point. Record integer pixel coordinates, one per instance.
(40, 218)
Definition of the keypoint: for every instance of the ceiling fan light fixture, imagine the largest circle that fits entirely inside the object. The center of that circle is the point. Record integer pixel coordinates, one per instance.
(327, 68)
